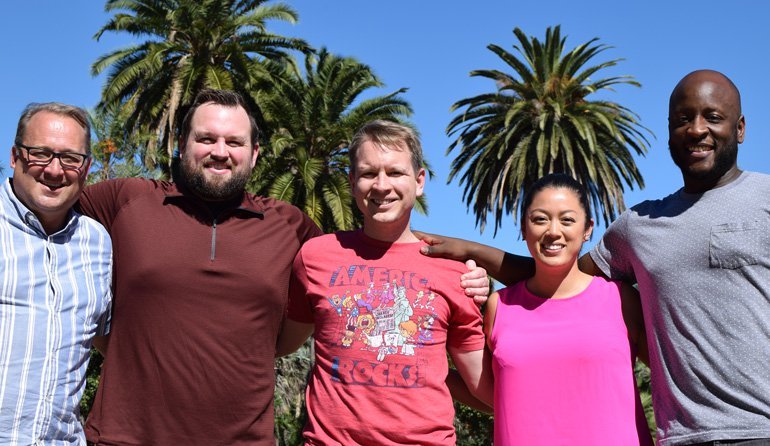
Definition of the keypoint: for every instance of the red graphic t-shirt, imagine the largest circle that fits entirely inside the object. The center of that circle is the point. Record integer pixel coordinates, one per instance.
(384, 315)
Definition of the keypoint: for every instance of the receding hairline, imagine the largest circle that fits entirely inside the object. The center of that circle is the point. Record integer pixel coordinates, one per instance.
(703, 76)
(73, 112)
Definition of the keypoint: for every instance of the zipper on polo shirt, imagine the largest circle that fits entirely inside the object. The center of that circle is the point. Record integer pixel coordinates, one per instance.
(213, 239)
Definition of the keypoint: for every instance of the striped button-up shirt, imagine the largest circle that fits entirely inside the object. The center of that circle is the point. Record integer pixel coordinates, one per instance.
(54, 298)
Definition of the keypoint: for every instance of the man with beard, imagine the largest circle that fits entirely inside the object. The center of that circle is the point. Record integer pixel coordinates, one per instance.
(701, 259)
(201, 273)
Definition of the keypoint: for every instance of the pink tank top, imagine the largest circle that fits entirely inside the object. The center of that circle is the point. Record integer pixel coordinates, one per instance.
(563, 370)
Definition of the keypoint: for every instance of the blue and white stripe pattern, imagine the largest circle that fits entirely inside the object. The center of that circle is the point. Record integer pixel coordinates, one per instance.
(54, 297)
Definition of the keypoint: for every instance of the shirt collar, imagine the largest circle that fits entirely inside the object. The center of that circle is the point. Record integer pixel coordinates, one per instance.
(248, 202)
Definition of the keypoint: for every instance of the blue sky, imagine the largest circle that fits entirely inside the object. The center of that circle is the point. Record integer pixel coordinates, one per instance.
(430, 46)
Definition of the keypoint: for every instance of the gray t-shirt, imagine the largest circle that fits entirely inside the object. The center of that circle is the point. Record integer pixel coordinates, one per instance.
(702, 262)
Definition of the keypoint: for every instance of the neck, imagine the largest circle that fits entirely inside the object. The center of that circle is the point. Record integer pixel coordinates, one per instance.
(53, 225)
(699, 186)
(557, 282)
(383, 233)
(216, 207)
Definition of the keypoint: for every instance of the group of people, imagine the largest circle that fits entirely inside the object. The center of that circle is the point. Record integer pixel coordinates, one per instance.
(199, 270)
(700, 258)
(210, 283)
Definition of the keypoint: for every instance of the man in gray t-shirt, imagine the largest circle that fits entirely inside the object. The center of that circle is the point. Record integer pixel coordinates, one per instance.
(701, 257)
(701, 261)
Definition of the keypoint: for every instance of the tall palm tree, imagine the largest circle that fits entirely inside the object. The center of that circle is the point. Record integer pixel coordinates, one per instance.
(314, 116)
(544, 118)
(188, 45)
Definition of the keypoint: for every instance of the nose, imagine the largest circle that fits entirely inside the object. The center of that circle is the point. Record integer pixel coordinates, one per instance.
(553, 229)
(698, 128)
(219, 149)
(53, 169)
(382, 182)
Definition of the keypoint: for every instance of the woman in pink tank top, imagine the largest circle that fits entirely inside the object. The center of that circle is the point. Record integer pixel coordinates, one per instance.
(563, 343)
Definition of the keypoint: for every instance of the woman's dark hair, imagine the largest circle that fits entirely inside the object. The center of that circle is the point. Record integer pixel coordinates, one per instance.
(556, 181)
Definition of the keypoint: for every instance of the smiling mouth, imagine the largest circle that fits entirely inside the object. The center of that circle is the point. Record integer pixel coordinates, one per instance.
(382, 202)
(553, 247)
(52, 187)
(217, 166)
(700, 149)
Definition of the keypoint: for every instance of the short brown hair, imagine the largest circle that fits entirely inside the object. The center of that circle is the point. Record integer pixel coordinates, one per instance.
(227, 98)
(389, 134)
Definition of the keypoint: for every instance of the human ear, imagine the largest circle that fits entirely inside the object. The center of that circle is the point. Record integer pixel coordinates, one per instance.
(589, 230)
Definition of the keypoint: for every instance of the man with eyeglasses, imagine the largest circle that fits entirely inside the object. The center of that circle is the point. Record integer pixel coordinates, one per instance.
(56, 277)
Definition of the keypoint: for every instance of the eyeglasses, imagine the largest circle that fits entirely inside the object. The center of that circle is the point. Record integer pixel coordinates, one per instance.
(40, 156)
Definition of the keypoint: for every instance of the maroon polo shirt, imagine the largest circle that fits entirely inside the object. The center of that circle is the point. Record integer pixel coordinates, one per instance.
(198, 303)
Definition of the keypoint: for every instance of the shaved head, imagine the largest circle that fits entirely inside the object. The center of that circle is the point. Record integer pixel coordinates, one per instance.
(731, 95)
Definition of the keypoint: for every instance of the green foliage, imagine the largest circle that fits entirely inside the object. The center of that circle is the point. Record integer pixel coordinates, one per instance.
(116, 151)
(473, 428)
(92, 383)
(291, 377)
(189, 45)
(313, 118)
(540, 120)
(642, 373)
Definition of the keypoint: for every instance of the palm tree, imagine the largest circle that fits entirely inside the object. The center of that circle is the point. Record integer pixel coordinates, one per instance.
(190, 45)
(313, 118)
(541, 120)
(115, 149)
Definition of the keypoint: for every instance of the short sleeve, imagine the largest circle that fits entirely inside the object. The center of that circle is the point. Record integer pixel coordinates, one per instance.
(465, 325)
(612, 254)
(102, 201)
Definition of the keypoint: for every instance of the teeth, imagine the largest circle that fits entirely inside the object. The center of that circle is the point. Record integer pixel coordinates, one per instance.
(381, 202)
(699, 149)
(553, 246)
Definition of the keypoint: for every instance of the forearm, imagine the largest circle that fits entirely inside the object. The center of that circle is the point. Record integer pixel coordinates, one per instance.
(505, 267)
(292, 336)
(461, 393)
(100, 344)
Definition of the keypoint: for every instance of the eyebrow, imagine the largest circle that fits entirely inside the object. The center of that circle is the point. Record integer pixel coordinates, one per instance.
(568, 211)
(64, 150)
(210, 134)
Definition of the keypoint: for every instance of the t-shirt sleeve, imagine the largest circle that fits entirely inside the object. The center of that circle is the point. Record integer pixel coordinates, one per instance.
(465, 326)
(612, 253)
(304, 226)
(300, 308)
(102, 201)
